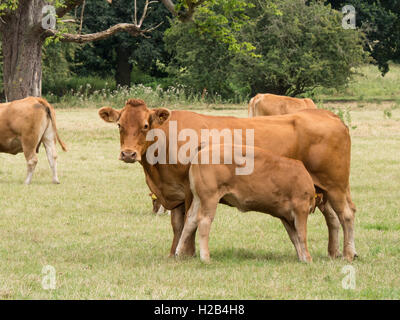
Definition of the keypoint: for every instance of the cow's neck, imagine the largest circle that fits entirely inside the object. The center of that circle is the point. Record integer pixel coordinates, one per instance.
(152, 176)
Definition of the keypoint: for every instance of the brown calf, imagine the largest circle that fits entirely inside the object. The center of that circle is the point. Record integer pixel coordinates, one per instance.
(24, 125)
(274, 105)
(278, 186)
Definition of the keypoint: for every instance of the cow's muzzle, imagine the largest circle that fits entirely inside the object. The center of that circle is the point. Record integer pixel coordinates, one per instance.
(129, 156)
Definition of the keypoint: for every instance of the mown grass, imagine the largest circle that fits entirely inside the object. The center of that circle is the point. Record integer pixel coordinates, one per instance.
(97, 230)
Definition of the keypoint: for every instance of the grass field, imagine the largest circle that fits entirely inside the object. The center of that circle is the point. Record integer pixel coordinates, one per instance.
(98, 232)
(368, 85)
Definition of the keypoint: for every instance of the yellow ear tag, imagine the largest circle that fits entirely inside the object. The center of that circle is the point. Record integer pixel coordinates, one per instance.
(154, 197)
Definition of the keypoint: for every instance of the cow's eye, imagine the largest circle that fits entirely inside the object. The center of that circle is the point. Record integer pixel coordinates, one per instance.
(119, 126)
(146, 126)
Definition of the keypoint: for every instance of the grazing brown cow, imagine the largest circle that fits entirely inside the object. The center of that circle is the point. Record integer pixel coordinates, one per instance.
(273, 105)
(24, 125)
(279, 186)
(318, 138)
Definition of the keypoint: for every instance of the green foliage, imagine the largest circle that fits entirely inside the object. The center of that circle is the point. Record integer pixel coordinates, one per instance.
(345, 116)
(222, 19)
(8, 5)
(100, 58)
(297, 47)
(367, 85)
(72, 85)
(83, 92)
(303, 48)
(57, 57)
(387, 114)
(380, 19)
(199, 61)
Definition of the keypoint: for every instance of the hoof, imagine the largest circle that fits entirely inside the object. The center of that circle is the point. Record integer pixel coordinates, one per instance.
(335, 255)
(350, 257)
(205, 259)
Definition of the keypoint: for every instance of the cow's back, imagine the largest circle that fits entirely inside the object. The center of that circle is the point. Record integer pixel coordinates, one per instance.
(271, 104)
(25, 117)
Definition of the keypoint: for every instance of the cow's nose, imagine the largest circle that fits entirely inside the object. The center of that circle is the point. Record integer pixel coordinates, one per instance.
(128, 156)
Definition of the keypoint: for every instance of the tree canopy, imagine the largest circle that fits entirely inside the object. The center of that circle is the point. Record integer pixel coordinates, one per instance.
(380, 20)
(228, 48)
(297, 48)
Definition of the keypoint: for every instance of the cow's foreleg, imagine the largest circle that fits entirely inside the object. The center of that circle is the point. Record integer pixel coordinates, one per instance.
(291, 230)
(300, 225)
(177, 222)
(333, 224)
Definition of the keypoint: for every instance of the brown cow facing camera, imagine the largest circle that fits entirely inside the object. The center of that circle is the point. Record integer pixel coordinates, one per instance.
(24, 125)
(274, 105)
(279, 186)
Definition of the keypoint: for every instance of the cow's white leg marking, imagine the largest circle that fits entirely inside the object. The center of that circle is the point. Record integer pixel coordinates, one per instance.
(31, 164)
(161, 210)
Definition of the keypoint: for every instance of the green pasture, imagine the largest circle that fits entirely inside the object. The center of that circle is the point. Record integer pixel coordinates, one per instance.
(97, 230)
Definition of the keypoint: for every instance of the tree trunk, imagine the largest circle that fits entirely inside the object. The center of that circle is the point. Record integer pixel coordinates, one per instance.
(22, 50)
(124, 67)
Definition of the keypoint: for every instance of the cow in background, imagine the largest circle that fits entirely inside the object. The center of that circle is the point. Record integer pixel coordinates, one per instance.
(274, 105)
(24, 125)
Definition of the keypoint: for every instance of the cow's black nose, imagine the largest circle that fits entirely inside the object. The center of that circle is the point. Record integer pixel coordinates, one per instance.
(128, 156)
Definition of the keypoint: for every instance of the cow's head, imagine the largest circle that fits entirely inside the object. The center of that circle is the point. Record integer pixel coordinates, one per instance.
(134, 122)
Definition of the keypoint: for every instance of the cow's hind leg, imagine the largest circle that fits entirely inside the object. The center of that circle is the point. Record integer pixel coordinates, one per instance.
(333, 224)
(206, 214)
(51, 152)
(31, 159)
(339, 203)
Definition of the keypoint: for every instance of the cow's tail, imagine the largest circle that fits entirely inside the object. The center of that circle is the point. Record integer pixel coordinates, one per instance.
(52, 114)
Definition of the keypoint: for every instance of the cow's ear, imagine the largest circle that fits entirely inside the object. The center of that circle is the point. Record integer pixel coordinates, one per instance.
(109, 114)
(159, 116)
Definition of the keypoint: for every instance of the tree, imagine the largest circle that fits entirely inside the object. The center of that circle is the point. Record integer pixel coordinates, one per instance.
(118, 54)
(297, 48)
(302, 48)
(202, 50)
(22, 37)
(380, 20)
